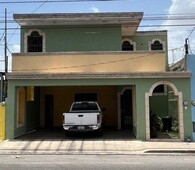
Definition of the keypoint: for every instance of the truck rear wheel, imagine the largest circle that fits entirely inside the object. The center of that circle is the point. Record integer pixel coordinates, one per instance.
(67, 133)
(99, 132)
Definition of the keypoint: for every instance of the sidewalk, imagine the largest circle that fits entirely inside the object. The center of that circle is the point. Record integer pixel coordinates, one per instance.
(82, 146)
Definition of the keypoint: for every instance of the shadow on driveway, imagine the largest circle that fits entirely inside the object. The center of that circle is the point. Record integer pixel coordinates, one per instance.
(59, 134)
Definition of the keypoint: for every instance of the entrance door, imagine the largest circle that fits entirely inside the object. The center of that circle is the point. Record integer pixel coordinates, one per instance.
(49, 111)
(126, 110)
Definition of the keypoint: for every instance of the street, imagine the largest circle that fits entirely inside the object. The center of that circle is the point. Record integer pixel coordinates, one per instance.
(96, 162)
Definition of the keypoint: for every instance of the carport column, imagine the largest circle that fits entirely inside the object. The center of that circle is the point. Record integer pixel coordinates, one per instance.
(141, 116)
(10, 111)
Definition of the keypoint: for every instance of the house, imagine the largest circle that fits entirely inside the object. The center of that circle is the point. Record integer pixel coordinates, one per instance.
(96, 56)
(187, 63)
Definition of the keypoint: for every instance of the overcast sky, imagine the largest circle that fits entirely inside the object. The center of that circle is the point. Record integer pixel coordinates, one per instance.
(183, 12)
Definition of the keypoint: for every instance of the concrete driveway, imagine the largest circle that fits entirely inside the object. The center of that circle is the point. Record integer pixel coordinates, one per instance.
(112, 142)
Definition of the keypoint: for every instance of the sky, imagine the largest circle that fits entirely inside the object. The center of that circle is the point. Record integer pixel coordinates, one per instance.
(178, 12)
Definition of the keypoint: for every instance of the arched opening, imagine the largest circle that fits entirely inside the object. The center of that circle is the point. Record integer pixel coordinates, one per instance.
(164, 116)
(35, 42)
(156, 46)
(127, 46)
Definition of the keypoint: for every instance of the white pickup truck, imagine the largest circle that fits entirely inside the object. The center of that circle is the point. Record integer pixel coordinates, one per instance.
(83, 116)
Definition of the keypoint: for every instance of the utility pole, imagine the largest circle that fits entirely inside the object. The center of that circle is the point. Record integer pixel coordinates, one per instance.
(186, 46)
(186, 53)
(6, 58)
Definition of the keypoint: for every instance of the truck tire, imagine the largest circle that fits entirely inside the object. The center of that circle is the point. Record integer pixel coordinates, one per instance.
(67, 133)
(99, 132)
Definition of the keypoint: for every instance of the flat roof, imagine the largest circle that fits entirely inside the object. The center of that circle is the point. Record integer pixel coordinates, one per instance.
(128, 21)
(78, 18)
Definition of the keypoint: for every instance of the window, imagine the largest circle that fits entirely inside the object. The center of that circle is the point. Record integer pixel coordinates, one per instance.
(127, 46)
(20, 106)
(85, 97)
(156, 46)
(84, 106)
(35, 41)
(159, 89)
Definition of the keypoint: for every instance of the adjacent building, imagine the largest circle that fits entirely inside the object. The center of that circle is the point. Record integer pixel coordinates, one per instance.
(102, 57)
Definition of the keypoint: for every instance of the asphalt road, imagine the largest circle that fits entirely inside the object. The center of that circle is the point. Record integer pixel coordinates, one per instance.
(97, 162)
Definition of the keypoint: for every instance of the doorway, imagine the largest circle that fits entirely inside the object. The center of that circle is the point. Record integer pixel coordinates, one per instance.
(126, 110)
(48, 111)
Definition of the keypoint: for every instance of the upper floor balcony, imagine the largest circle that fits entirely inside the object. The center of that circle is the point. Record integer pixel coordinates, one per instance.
(89, 62)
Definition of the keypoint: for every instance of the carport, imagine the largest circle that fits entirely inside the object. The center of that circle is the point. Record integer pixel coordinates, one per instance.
(45, 104)
(40, 102)
(37, 101)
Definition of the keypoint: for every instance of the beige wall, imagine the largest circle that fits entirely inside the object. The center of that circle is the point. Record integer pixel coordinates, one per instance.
(89, 62)
(64, 96)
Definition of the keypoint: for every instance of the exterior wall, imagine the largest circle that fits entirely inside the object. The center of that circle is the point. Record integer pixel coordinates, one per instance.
(142, 86)
(2, 121)
(64, 96)
(142, 39)
(89, 38)
(190, 66)
(89, 62)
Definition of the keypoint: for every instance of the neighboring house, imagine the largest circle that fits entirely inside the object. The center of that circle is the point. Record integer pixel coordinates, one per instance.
(96, 56)
(189, 66)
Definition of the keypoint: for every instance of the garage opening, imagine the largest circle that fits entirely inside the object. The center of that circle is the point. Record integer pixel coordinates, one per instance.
(44, 110)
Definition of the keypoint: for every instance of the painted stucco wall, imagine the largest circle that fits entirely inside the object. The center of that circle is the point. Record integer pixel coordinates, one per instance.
(2, 121)
(64, 96)
(89, 38)
(89, 62)
(190, 67)
(141, 87)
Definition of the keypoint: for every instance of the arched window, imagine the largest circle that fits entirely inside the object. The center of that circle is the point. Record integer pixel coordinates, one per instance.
(156, 45)
(35, 42)
(127, 46)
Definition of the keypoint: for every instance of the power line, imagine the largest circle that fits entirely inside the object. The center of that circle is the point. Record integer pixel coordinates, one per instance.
(191, 32)
(148, 26)
(86, 65)
(40, 6)
(50, 1)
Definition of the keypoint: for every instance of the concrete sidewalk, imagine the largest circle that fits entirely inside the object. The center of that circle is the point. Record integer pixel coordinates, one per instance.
(82, 146)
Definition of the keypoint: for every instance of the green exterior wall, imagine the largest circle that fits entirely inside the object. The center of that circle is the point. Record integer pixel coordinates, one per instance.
(97, 38)
(62, 39)
(142, 86)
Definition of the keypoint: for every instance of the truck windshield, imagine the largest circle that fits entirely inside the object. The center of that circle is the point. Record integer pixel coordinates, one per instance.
(84, 106)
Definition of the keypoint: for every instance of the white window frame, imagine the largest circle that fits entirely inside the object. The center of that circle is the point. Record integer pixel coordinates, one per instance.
(131, 42)
(152, 42)
(26, 39)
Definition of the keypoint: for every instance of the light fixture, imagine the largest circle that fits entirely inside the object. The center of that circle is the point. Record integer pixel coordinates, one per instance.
(185, 102)
(193, 102)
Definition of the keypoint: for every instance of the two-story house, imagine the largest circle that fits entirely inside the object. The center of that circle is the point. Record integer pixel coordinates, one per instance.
(102, 57)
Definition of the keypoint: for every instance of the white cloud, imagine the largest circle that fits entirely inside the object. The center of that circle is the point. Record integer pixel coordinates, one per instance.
(94, 9)
(16, 48)
(177, 34)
